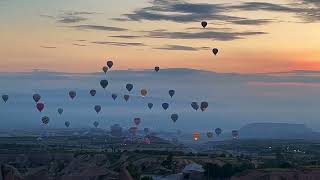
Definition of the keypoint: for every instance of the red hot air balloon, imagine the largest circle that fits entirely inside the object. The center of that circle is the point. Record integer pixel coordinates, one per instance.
(40, 106)
(137, 121)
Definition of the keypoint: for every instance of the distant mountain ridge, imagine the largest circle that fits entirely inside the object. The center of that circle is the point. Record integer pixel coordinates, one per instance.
(277, 131)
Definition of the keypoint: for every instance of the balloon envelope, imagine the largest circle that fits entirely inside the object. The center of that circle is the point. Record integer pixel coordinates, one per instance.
(218, 131)
(165, 106)
(137, 121)
(204, 24)
(114, 96)
(110, 64)
(126, 97)
(40, 106)
(5, 98)
(96, 124)
(97, 108)
(215, 51)
(157, 68)
(171, 93)
(67, 124)
(196, 136)
(146, 140)
(93, 92)
(60, 111)
(104, 83)
(150, 105)
(174, 117)
(45, 120)
(209, 134)
(204, 105)
(129, 87)
(144, 92)
(105, 69)
(195, 106)
(36, 97)
(72, 94)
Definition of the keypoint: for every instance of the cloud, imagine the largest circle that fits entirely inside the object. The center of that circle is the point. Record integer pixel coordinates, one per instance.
(68, 17)
(214, 35)
(75, 44)
(112, 43)
(71, 19)
(49, 47)
(126, 36)
(98, 27)
(181, 11)
(181, 48)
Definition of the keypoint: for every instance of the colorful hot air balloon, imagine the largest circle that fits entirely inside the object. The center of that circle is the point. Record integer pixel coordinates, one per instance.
(195, 106)
(72, 94)
(165, 106)
(171, 93)
(67, 124)
(204, 105)
(235, 134)
(157, 68)
(110, 64)
(209, 134)
(129, 87)
(104, 83)
(40, 106)
(93, 92)
(45, 120)
(204, 24)
(126, 97)
(60, 111)
(97, 108)
(114, 96)
(36, 97)
(144, 92)
(196, 136)
(150, 105)
(146, 140)
(215, 51)
(5, 98)
(96, 124)
(105, 69)
(218, 131)
(137, 121)
(174, 117)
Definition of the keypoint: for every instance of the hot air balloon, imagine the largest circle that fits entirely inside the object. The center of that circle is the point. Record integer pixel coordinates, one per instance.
(133, 130)
(110, 64)
(195, 106)
(218, 131)
(72, 94)
(40, 106)
(204, 24)
(144, 92)
(126, 97)
(5, 98)
(45, 120)
(215, 51)
(150, 105)
(146, 131)
(174, 117)
(196, 136)
(209, 134)
(146, 140)
(165, 106)
(67, 124)
(60, 111)
(129, 87)
(235, 134)
(171, 93)
(157, 68)
(204, 105)
(137, 121)
(97, 108)
(96, 124)
(93, 92)
(105, 69)
(114, 96)
(104, 83)
(36, 97)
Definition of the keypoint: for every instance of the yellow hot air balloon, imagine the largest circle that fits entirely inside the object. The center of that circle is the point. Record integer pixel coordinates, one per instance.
(144, 92)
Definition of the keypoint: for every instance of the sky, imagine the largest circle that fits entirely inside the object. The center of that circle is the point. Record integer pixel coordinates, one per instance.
(80, 35)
